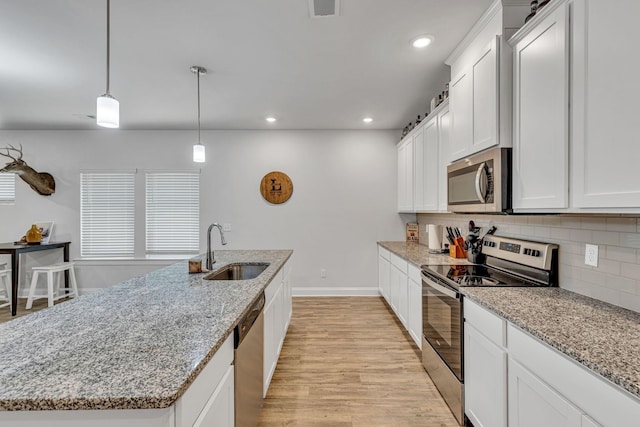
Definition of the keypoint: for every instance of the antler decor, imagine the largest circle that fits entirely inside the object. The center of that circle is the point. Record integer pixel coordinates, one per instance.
(41, 182)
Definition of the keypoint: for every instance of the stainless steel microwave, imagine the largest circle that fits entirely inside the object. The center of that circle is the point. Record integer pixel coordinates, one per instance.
(480, 183)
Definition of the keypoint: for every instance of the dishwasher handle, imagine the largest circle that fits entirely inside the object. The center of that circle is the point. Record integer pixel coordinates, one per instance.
(245, 324)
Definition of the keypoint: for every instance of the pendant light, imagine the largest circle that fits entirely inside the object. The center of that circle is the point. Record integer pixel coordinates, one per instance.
(108, 108)
(198, 149)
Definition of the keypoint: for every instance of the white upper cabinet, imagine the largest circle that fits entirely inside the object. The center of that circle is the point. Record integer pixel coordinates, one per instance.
(444, 139)
(419, 169)
(422, 164)
(605, 96)
(474, 104)
(541, 126)
(460, 107)
(480, 88)
(405, 176)
(575, 124)
(485, 97)
(426, 167)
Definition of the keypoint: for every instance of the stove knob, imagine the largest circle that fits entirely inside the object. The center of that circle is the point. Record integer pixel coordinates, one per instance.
(536, 253)
(527, 251)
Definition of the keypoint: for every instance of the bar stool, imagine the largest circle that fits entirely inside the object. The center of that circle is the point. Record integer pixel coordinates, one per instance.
(52, 295)
(5, 289)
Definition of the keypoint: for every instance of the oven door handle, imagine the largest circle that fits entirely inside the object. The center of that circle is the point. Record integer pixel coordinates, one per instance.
(442, 289)
(481, 182)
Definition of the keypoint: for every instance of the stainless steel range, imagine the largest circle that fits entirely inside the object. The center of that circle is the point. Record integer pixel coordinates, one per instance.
(509, 262)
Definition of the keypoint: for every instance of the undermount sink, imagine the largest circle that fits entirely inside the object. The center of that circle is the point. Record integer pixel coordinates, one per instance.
(238, 271)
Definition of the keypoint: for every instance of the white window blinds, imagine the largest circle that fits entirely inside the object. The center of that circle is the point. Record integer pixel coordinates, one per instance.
(107, 214)
(172, 212)
(7, 187)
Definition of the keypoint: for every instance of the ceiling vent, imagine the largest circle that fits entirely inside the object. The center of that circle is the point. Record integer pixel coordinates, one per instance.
(324, 8)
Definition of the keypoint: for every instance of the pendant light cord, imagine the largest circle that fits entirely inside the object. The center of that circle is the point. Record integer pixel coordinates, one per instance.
(198, 77)
(108, 39)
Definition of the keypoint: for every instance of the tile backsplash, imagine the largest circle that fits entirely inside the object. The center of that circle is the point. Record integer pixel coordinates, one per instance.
(616, 280)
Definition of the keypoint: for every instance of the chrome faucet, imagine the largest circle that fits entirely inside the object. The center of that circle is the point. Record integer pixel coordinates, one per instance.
(210, 258)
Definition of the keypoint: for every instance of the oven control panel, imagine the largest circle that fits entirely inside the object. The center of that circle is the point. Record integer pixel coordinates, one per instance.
(534, 254)
(510, 247)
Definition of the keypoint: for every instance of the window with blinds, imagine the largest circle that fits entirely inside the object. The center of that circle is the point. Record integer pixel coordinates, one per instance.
(172, 212)
(7, 188)
(107, 214)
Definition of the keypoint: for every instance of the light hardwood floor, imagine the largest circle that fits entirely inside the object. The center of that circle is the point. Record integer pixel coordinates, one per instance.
(347, 362)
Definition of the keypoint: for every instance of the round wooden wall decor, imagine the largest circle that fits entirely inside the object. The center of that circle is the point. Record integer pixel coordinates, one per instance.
(276, 187)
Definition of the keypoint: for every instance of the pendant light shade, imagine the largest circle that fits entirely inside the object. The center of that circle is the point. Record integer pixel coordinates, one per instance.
(199, 153)
(107, 107)
(108, 111)
(198, 149)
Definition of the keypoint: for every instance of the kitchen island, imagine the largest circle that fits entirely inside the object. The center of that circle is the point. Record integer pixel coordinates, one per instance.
(138, 345)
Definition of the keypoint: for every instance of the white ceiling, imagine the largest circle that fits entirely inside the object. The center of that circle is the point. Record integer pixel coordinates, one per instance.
(265, 57)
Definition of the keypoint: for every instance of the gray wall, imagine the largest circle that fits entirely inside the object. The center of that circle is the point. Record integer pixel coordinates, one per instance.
(344, 197)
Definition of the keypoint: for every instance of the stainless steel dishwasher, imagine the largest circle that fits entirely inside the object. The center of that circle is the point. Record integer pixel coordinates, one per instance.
(249, 350)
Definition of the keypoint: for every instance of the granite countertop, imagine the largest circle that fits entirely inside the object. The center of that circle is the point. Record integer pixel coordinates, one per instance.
(418, 254)
(135, 345)
(603, 337)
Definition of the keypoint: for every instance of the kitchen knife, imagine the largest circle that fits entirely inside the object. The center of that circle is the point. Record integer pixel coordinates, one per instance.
(449, 235)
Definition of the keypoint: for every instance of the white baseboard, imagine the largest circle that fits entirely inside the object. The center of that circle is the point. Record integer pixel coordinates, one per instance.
(335, 292)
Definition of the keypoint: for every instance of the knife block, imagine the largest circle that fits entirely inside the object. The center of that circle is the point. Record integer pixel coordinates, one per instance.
(457, 250)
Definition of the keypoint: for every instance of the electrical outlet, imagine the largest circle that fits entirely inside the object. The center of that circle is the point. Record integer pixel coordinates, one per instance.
(591, 255)
(323, 273)
(226, 226)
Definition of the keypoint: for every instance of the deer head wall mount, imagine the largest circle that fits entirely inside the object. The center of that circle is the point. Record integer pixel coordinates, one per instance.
(41, 182)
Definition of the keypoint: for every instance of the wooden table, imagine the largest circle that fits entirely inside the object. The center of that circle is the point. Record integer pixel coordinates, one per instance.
(15, 250)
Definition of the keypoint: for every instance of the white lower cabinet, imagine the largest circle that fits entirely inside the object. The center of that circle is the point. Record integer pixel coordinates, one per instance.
(383, 273)
(403, 300)
(277, 316)
(219, 410)
(533, 403)
(485, 367)
(399, 296)
(401, 285)
(394, 288)
(545, 387)
(210, 396)
(415, 310)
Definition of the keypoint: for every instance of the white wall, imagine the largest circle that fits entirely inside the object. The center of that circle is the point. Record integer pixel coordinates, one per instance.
(344, 197)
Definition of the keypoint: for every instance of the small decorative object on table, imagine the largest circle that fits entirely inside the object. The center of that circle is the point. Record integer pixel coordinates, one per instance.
(46, 228)
(34, 235)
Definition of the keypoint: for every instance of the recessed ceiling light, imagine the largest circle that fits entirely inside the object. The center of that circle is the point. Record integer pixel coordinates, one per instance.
(367, 120)
(422, 41)
(271, 119)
